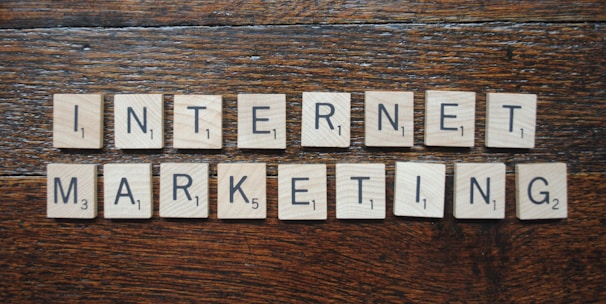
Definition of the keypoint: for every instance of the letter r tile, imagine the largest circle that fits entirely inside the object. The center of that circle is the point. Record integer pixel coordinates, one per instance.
(184, 190)
(261, 121)
(71, 191)
(241, 191)
(302, 192)
(78, 121)
(360, 191)
(541, 191)
(326, 119)
(127, 191)
(139, 121)
(450, 118)
(479, 191)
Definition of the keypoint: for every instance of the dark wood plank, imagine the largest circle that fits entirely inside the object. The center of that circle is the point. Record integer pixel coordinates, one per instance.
(394, 260)
(118, 13)
(563, 63)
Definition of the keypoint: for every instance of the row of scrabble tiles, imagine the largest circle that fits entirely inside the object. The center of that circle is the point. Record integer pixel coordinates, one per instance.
(479, 190)
(325, 121)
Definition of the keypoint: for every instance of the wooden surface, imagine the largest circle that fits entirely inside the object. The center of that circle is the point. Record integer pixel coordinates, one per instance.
(555, 49)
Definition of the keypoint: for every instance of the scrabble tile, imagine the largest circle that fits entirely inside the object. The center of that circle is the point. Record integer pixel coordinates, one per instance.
(326, 120)
(261, 121)
(360, 191)
(71, 191)
(139, 121)
(541, 191)
(388, 119)
(479, 191)
(241, 191)
(127, 190)
(419, 189)
(510, 120)
(449, 118)
(184, 190)
(198, 122)
(302, 192)
(78, 121)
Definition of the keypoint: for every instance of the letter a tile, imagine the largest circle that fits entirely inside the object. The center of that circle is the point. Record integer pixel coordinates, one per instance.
(541, 191)
(360, 191)
(139, 121)
(510, 120)
(128, 191)
(241, 191)
(479, 191)
(388, 119)
(419, 189)
(184, 190)
(450, 118)
(71, 191)
(302, 192)
(261, 121)
(326, 119)
(78, 121)
(198, 122)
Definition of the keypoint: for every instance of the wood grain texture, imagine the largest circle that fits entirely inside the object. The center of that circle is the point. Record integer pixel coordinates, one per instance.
(394, 260)
(562, 63)
(554, 49)
(120, 13)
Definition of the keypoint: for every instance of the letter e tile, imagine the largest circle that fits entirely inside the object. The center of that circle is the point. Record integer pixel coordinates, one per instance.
(450, 118)
(302, 192)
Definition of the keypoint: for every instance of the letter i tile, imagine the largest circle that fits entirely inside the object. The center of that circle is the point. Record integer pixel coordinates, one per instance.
(78, 121)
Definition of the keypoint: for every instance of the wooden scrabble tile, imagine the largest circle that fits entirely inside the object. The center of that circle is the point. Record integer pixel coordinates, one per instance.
(450, 118)
(139, 121)
(510, 120)
(241, 191)
(388, 119)
(302, 192)
(360, 191)
(198, 122)
(184, 190)
(78, 121)
(71, 191)
(541, 191)
(127, 190)
(326, 119)
(419, 189)
(479, 191)
(261, 121)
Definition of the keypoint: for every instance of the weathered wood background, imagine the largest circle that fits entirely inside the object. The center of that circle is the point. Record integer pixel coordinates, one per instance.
(556, 49)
